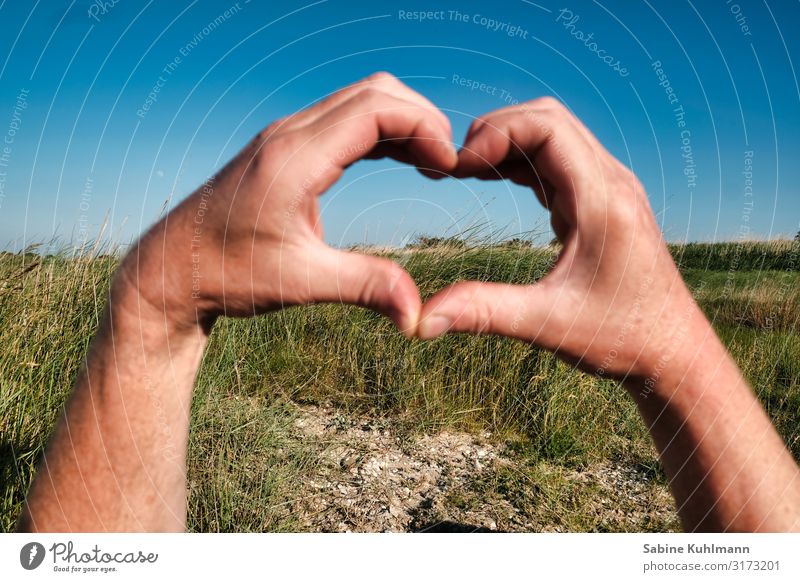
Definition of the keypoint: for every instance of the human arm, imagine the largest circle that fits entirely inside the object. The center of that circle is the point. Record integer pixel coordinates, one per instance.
(616, 306)
(247, 242)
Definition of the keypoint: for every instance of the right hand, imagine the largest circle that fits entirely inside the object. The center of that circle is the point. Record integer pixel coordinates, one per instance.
(614, 300)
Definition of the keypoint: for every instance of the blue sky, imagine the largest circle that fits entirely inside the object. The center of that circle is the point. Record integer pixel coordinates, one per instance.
(79, 146)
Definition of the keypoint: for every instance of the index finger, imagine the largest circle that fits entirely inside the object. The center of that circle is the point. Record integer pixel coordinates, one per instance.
(382, 81)
(358, 127)
(538, 134)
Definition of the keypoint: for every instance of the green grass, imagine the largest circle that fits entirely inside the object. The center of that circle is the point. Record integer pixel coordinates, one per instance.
(777, 255)
(244, 461)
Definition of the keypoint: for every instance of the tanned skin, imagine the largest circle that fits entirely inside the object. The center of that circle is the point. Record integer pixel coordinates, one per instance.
(249, 241)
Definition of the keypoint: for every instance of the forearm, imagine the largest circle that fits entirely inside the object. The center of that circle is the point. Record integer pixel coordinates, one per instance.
(117, 460)
(728, 468)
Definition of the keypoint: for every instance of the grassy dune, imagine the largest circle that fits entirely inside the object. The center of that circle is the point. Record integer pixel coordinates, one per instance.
(245, 462)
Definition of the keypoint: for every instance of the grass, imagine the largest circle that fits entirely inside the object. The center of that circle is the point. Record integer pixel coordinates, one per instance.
(776, 255)
(245, 462)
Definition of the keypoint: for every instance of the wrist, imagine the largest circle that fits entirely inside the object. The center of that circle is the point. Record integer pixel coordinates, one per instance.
(157, 282)
(690, 359)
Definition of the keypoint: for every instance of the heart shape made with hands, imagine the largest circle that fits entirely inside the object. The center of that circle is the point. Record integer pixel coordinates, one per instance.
(266, 250)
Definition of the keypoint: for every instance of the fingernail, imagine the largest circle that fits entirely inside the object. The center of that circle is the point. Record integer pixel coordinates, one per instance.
(433, 326)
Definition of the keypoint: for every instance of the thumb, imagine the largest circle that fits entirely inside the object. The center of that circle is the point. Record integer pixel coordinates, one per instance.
(524, 312)
(377, 283)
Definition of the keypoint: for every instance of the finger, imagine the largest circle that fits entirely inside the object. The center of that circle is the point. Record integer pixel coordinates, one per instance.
(371, 118)
(541, 137)
(541, 104)
(373, 282)
(381, 81)
(403, 154)
(518, 171)
(525, 312)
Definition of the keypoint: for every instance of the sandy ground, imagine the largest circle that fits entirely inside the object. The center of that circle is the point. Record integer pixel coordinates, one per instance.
(374, 478)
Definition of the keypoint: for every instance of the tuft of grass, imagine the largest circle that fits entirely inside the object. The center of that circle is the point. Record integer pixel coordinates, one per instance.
(244, 464)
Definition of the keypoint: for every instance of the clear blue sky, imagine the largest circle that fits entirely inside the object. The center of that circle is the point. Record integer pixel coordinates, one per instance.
(74, 77)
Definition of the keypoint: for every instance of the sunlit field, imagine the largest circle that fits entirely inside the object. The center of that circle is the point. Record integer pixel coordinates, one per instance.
(567, 451)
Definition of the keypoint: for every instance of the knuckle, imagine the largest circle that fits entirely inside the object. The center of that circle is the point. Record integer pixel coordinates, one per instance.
(623, 202)
(624, 177)
(381, 76)
(375, 288)
(483, 317)
(390, 271)
(556, 112)
(621, 212)
(478, 123)
(275, 143)
(476, 314)
(375, 83)
(634, 183)
(369, 96)
(270, 154)
(272, 129)
(548, 102)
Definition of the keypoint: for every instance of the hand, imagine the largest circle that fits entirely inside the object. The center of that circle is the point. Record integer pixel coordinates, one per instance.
(615, 305)
(246, 242)
(614, 299)
(249, 241)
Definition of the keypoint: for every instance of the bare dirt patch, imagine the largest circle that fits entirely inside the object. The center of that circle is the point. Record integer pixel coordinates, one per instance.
(375, 477)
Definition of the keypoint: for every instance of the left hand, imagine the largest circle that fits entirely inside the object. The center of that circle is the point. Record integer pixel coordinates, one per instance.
(249, 241)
